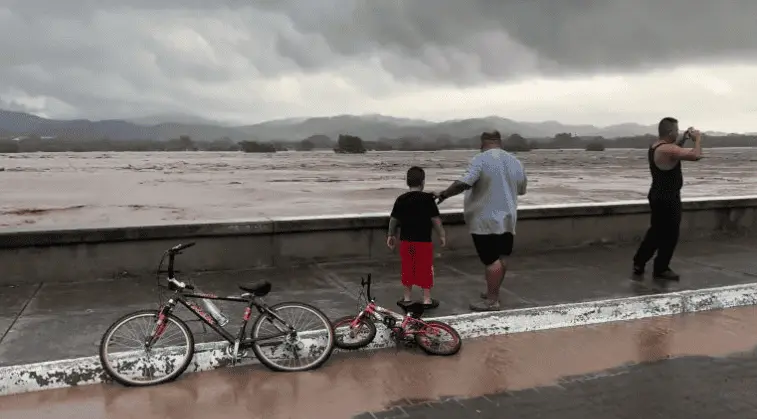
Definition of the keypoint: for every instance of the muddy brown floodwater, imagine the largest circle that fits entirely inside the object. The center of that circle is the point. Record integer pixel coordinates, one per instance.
(117, 189)
(355, 383)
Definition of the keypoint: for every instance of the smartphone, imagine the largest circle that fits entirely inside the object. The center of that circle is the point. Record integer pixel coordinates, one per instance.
(686, 136)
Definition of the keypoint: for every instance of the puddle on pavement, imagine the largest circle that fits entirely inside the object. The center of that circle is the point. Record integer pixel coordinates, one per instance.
(356, 383)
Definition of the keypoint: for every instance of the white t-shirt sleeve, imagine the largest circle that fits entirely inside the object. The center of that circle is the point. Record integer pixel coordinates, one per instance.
(473, 172)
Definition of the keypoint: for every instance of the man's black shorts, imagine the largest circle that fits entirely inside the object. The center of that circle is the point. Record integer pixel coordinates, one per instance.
(490, 247)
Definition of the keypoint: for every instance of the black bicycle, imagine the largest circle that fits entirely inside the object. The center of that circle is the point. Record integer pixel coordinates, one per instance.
(160, 346)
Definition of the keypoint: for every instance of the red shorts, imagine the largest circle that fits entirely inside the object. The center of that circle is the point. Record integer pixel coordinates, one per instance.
(417, 264)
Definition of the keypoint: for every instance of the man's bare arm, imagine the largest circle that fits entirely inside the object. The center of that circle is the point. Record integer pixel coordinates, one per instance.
(455, 188)
(521, 180)
(688, 154)
(470, 178)
(393, 223)
(523, 185)
(438, 226)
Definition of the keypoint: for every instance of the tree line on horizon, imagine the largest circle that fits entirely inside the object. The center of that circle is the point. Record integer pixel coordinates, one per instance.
(348, 144)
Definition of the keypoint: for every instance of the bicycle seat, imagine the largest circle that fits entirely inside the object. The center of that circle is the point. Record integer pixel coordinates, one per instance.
(258, 289)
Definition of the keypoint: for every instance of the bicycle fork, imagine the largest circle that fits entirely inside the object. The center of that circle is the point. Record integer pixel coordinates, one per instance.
(160, 325)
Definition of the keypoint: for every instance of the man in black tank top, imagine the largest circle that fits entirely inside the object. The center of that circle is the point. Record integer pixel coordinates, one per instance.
(664, 157)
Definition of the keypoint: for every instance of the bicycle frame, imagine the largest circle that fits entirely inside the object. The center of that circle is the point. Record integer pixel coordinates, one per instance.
(183, 299)
(379, 313)
(181, 296)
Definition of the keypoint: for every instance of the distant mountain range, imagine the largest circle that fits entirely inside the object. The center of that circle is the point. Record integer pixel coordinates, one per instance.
(368, 127)
(176, 118)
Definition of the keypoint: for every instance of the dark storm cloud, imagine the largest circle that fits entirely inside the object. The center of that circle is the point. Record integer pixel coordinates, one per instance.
(581, 35)
(79, 51)
(113, 62)
(567, 35)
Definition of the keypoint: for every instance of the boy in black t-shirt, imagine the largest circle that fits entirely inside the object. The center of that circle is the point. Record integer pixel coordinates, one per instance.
(415, 212)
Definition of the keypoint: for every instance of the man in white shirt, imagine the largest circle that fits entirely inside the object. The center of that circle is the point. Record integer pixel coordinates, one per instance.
(492, 183)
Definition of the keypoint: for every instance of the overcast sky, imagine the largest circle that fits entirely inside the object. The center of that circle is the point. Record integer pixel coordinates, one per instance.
(575, 61)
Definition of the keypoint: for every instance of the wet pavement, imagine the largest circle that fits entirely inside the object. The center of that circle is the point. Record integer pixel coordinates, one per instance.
(701, 365)
(49, 321)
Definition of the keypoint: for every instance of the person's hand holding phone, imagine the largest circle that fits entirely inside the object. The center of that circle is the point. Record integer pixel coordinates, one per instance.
(695, 134)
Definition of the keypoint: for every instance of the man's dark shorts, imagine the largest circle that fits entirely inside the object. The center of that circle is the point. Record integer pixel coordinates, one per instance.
(491, 247)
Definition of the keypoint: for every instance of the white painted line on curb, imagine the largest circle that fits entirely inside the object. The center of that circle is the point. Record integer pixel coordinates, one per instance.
(81, 371)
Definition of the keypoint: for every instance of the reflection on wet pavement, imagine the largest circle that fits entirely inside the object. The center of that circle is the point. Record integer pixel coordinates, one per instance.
(352, 384)
(699, 387)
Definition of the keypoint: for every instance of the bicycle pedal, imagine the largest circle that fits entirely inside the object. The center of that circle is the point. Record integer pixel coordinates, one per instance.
(237, 360)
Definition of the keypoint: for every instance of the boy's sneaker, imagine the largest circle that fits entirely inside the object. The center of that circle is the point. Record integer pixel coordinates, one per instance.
(485, 305)
(433, 304)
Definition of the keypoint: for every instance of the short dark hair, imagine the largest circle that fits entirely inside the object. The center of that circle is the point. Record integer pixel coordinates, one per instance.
(668, 127)
(491, 136)
(415, 177)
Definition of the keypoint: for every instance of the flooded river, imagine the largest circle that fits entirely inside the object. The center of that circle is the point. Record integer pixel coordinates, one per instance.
(115, 189)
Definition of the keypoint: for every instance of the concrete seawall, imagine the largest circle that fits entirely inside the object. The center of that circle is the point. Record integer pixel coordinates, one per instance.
(83, 254)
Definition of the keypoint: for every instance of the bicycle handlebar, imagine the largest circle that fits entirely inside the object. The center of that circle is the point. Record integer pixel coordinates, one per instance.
(180, 284)
(181, 246)
(172, 252)
(364, 282)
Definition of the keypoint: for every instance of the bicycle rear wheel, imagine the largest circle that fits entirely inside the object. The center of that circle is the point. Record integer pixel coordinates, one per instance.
(348, 338)
(438, 338)
(306, 347)
(167, 358)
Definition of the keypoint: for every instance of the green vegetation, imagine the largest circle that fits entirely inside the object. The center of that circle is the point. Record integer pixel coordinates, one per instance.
(306, 145)
(347, 144)
(516, 143)
(256, 147)
(595, 146)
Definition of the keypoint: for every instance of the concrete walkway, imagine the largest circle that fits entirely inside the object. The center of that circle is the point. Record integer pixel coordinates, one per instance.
(48, 321)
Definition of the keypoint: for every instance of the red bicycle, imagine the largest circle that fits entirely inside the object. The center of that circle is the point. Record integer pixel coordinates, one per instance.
(408, 328)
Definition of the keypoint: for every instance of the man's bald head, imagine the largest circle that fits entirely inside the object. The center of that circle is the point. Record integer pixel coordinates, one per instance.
(491, 139)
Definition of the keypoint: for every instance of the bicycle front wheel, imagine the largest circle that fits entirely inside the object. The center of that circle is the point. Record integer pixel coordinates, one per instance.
(126, 357)
(348, 337)
(307, 343)
(438, 338)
